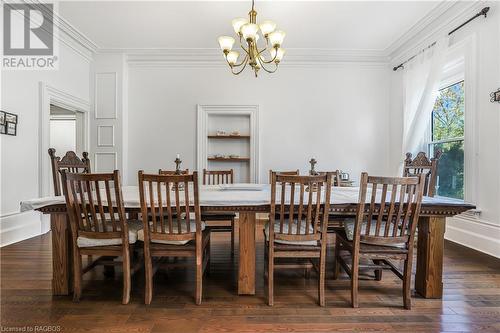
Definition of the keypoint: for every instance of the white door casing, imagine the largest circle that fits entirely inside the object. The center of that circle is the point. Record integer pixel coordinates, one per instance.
(50, 95)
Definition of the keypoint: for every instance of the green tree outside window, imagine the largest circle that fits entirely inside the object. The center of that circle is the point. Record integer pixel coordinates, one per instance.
(448, 135)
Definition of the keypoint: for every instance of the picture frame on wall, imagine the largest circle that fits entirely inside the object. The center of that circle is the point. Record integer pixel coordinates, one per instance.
(8, 123)
(495, 96)
(11, 128)
(10, 118)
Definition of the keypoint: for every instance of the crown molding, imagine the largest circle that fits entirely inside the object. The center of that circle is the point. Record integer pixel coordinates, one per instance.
(76, 35)
(430, 17)
(425, 34)
(212, 57)
(443, 16)
(68, 34)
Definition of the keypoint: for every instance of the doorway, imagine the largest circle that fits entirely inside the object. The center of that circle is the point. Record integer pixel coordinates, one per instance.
(66, 130)
(80, 109)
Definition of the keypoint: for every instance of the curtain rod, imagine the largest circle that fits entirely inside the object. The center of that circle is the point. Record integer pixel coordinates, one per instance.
(483, 11)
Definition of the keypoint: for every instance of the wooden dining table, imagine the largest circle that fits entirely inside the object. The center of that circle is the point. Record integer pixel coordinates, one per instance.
(247, 203)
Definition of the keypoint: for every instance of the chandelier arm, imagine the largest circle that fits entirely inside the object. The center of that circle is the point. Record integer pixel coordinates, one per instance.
(266, 47)
(241, 63)
(270, 61)
(246, 50)
(261, 51)
(241, 70)
(267, 70)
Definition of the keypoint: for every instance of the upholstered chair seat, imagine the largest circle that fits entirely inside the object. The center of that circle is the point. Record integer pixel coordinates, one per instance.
(134, 226)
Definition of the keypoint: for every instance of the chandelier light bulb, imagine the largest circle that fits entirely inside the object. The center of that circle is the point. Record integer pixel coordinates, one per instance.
(276, 38)
(232, 57)
(226, 43)
(277, 54)
(267, 27)
(238, 23)
(249, 31)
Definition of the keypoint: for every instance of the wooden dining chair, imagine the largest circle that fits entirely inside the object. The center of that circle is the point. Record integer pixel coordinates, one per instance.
(289, 173)
(422, 165)
(335, 176)
(69, 162)
(216, 177)
(334, 220)
(302, 237)
(172, 225)
(382, 231)
(172, 172)
(97, 227)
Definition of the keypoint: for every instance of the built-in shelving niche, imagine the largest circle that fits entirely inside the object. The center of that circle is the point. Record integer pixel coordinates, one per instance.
(239, 152)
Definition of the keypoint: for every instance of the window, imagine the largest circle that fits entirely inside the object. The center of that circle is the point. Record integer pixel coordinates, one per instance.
(447, 134)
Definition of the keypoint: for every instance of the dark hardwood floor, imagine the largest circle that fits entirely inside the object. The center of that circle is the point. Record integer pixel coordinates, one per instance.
(471, 300)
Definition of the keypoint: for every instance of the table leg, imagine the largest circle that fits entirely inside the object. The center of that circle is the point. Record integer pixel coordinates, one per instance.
(61, 254)
(246, 273)
(429, 276)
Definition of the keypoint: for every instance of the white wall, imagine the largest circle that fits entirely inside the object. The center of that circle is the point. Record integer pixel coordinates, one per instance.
(63, 134)
(20, 154)
(482, 232)
(336, 113)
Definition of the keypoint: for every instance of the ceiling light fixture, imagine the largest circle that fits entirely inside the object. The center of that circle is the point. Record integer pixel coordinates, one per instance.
(248, 34)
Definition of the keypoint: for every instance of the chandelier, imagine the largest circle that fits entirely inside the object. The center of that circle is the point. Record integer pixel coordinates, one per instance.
(248, 34)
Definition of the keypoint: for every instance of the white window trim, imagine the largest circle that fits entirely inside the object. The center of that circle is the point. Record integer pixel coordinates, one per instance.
(462, 66)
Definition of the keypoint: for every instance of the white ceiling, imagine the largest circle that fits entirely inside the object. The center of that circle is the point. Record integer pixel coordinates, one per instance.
(341, 25)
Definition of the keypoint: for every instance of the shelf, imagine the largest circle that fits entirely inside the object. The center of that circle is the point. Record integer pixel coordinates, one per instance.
(229, 136)
(233, 159)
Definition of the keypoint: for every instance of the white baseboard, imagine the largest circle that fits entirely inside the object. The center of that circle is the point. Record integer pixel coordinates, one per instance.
(20, 226)
(477, 234)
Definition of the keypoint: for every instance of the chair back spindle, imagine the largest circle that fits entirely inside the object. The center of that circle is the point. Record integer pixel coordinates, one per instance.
(388, 209)
(335, 176)
(300, 215)
(167, 210)
(95, 205)
(217, 177)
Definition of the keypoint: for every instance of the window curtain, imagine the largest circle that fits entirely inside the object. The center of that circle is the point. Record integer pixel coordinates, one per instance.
(421, 83)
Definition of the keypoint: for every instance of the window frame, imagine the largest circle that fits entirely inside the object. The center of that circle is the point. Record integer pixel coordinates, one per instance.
(447, 83)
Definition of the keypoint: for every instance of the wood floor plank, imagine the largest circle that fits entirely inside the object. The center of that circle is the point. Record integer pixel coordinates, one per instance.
(471, 301)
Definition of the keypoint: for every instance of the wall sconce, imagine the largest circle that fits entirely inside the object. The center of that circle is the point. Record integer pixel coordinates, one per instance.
(495, 96)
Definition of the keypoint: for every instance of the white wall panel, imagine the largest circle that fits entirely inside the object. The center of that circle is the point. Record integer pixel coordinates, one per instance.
(108, 133)
(105, 136)
(105, 96)
(105, 162)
